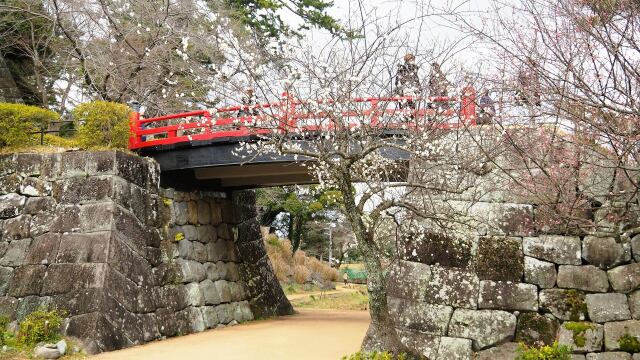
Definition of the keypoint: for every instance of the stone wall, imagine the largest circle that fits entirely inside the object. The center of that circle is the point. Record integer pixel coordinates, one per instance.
(476, 297)
(93, 234)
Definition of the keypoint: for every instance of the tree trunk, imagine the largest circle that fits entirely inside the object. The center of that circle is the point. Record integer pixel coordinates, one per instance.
(382, 334)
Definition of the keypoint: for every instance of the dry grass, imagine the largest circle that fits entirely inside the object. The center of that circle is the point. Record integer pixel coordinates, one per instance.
(297, 268)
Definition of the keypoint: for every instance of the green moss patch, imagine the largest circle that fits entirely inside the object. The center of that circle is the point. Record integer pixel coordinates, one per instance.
(499, 259)
(629, 344)
(534, 329)
(578, 329)
(576, 305)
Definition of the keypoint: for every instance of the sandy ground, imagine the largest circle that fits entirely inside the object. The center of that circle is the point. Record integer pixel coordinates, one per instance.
(340, 288)
(308, 335)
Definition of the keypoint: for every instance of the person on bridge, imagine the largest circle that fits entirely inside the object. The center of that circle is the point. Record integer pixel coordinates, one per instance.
(486, 107)
(407, 81)
(248, 103)
(438, 84)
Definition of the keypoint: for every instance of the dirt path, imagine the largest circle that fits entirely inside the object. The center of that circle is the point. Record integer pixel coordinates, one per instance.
(309, 335)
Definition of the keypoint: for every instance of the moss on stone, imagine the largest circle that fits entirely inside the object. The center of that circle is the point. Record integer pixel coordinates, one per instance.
(534, 329)
(499, 259)
(629, 343)
(578, 329)
(575, 302)
(433, 248)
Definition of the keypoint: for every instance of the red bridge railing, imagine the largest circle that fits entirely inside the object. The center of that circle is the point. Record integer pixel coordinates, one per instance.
(293, 115)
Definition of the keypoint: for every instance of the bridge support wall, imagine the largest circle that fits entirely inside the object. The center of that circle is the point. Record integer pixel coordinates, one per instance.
(93, 234)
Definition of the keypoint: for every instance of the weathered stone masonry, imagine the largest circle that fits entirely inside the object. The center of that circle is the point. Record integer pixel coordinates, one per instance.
(92, 233)
(475, 298)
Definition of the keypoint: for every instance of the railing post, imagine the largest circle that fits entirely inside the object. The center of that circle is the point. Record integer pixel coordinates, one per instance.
(468, 105)
(134, 124)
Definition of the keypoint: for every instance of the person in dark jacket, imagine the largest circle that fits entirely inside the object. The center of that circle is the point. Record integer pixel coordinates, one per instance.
(407, 81)
(486, 107)
(248, 99)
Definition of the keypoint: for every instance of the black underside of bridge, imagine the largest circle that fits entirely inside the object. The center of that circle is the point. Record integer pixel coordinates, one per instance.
(216, 165)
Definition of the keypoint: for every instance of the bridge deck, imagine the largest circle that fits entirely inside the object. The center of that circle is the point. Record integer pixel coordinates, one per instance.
(197, 147)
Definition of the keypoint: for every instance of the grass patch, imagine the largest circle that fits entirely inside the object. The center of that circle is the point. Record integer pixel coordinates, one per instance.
(293, 288)
(374, 356)
(357, 300)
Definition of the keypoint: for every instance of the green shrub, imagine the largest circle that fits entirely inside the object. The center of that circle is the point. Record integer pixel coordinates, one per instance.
(546, 352)
(40, 325)
(4, 322)
(374, 356)
(54, 140)
(102, 124)
(18, 121)
(629, 343)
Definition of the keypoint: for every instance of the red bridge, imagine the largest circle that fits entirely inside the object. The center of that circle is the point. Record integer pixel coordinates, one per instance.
(197, 146)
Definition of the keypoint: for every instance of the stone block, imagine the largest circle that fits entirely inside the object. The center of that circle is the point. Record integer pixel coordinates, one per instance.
(31, 186)
(232, 272)
(224, 290)
(243, 205)
(210, 292)
(16, 228)
(533, 329)
(504, 219)
(30, 164)
(172, 297)
(607, 307)
(136, 169)
(609, 356)
(224, 231)
(9, 183)
(557, 249)
(6, 273)
(11, 205)
(129, 263)
(454, 349)
(185, 249)
(424, 344)
(191, 271)
(564, 304)
(582, 337)
(204, 212)
(82, 189)
(604, 252)
(251, 252)
(506, 351)
(195, 319)
(43, 249)
(200, 253)
(213, 271)
(422, 317)
(209, 316)
(635, 247)
(40, 224)
(625, 278)
(500, 259)
(27, 280)
(38, 205)
(63, 278)
(167, 322)
(84, 248)
(225, 313)
(16, 252)
(192, 212)
(634, 304)
(216, 212)
(613, 331)
(485, 327)
(408, 280)
(245, 311)
(29, 304)
(453, 287)
(504, 295)
(207, 234)
(149, 327)
(8, 306)
(130, 231)
(66, 218)
(539, 272)
(237, 291)
(587, 278)
(433, 248)
(179, 210)
(195, 296)
(79, 302)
